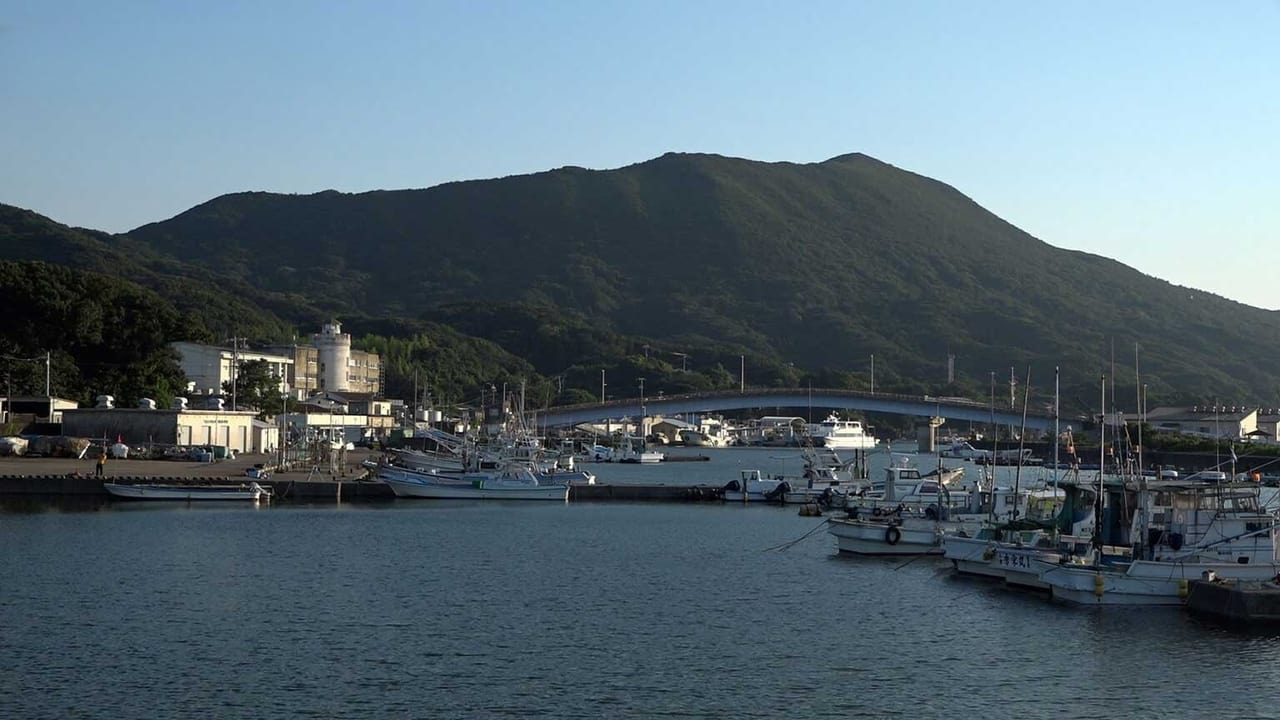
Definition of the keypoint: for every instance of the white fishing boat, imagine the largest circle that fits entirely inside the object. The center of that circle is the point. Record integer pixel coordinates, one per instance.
(841, 434)
(973, 555)
(1009, 551)
(908, 515)
(250, 491)
(512, 483)
(1180, 532)
(825, 480)
(633, 450)
(889, 534)
(754, 486)
(711, 432)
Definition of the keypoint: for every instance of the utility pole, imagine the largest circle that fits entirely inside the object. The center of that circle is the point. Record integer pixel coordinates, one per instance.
(235, 367)
(742, 373)
(601, 386)
(643, 412)
(873, 373)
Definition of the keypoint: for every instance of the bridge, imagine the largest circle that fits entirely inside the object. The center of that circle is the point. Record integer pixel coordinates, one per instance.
(924, 406)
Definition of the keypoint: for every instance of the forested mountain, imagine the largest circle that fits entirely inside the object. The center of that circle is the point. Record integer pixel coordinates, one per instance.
(805, 269)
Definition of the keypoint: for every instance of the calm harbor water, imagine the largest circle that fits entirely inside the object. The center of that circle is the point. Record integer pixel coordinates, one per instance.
(590, 610)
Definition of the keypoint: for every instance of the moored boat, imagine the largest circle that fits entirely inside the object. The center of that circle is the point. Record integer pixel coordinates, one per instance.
(1179, 532)
(513, 483)
(888, 534)
(840, 434)
(251, 491)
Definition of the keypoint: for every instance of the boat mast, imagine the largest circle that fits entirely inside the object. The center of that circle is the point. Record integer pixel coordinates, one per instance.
(1057, 433)
(1022, 440)
(1102, 468)
(1137, 381)
(995, 442)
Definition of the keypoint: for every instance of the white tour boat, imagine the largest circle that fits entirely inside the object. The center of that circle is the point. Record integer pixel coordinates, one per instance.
(840, 434)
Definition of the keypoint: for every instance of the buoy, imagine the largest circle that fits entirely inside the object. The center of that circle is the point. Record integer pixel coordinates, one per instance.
(1182, 588)
(1099, 585)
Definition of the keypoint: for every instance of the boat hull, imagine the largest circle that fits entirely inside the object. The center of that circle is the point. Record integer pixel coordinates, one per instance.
(140, 491)
(1022, 566)
(1142, 582)
(558, 493)
(870, 537)
(865, 442)
(971, 556)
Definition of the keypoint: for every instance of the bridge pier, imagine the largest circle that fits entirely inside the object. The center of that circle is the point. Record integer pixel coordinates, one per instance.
(927, 434)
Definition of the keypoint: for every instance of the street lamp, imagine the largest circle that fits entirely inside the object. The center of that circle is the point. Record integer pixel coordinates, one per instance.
(643, 413)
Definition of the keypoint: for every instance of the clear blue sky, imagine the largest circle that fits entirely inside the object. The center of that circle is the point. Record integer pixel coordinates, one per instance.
(1148, 132)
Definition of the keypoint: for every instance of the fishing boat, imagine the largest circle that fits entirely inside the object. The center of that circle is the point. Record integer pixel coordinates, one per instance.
(1179, 532)
(251, 491)
(825, 480)
(909, 515)
(891, 533)
(511, 483)
(711, 432)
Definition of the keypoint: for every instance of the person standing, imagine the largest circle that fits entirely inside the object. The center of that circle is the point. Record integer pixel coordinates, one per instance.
(102, 463)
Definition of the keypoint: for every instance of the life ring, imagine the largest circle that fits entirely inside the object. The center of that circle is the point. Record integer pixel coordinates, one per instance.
(892, 535)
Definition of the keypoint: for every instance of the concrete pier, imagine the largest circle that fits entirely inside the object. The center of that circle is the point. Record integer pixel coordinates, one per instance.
(1235, 601)
(74, 478)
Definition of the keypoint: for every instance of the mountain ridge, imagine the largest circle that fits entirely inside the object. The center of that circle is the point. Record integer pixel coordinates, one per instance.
(817, 265)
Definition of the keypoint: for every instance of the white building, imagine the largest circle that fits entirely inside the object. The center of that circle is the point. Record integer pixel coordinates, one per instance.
(207, 367)
(174, 426)
(1232, 423)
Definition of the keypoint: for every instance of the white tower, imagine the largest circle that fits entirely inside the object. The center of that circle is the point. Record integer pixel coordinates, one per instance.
(333, 350)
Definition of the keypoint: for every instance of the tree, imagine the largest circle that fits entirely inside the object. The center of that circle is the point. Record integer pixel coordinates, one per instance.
(255, 386)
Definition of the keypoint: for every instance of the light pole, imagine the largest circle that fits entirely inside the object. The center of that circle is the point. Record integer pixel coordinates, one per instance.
(643, 412)
(742, 373)
(601, 386)
(873, 373)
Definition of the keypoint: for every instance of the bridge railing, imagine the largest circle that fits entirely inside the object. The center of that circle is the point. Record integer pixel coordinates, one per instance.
(758, 391)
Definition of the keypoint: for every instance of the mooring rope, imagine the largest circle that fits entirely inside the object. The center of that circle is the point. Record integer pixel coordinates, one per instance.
(788, 544)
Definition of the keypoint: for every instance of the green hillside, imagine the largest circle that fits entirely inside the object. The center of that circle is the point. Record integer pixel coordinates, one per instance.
(817, 265)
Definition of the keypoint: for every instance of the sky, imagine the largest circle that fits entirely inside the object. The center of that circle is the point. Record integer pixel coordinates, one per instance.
(1141, 131)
